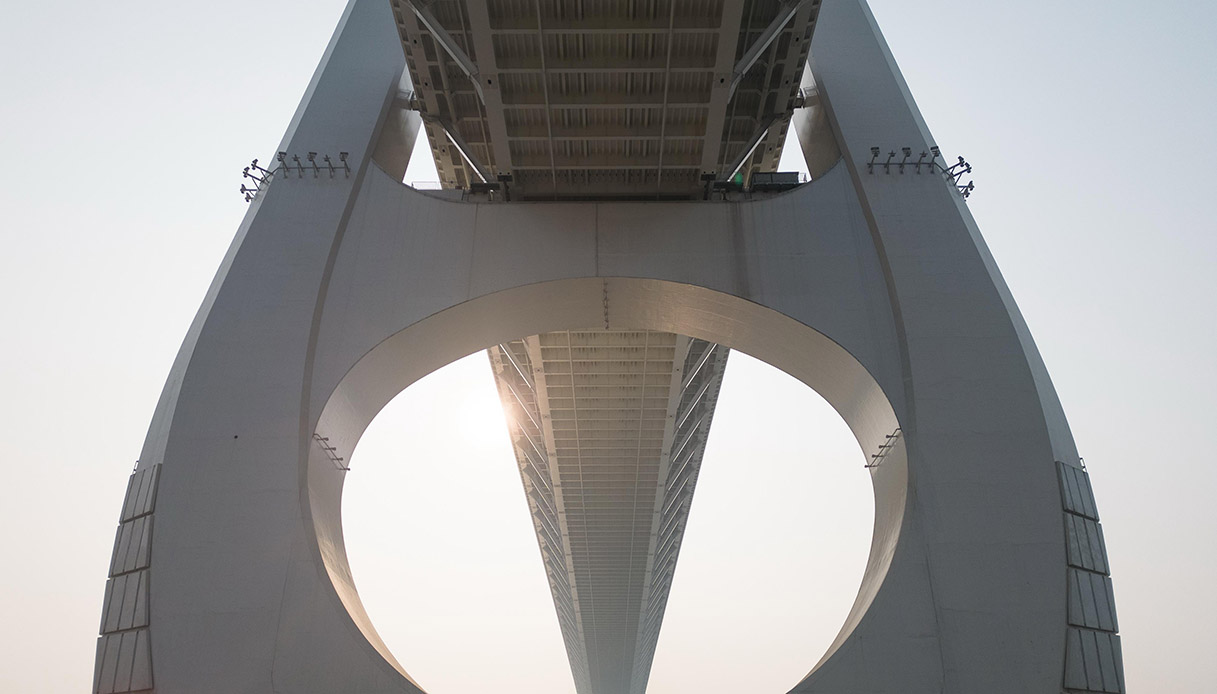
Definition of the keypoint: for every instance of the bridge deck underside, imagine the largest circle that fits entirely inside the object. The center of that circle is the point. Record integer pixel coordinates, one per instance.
(604, 98)
(609, 429)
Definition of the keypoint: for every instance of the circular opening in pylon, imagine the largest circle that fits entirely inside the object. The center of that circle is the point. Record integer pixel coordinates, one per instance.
(417, 350)
(444, 550)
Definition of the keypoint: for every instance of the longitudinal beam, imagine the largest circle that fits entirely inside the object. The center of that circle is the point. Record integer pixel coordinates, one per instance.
(609, 429)
(446, 42)
(466, 152)
(787, 10)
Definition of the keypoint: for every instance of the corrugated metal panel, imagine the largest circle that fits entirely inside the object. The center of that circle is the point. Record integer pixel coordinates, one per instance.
(124, 658)
(124, 663)
(1077, 495)
(1086, 550)
(1093, 660)
(108, 648)
(134, 543)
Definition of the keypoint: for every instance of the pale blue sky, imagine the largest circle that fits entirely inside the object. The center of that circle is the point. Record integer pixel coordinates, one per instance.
(124, 126)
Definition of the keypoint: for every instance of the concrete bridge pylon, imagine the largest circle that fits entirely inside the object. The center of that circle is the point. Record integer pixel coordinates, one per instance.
(871, 284)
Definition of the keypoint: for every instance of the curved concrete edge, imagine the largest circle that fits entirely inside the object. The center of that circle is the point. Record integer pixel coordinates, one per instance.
(643, 304)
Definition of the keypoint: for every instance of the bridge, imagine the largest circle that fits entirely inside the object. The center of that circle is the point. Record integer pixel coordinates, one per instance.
(611, 225)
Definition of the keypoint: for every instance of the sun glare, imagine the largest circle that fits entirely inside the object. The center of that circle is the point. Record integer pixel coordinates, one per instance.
(482, 413)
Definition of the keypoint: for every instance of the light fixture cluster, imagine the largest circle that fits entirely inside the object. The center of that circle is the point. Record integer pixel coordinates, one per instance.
(262, 176)
(955, 171)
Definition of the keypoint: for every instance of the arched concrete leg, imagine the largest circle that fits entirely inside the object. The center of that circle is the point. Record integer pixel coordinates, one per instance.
(232, 416)
(988, 439)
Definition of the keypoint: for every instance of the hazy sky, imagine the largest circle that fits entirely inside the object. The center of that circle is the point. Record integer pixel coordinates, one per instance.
(123, 130)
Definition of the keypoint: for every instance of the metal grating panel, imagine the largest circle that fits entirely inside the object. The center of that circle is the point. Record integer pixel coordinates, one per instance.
(605, 98)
